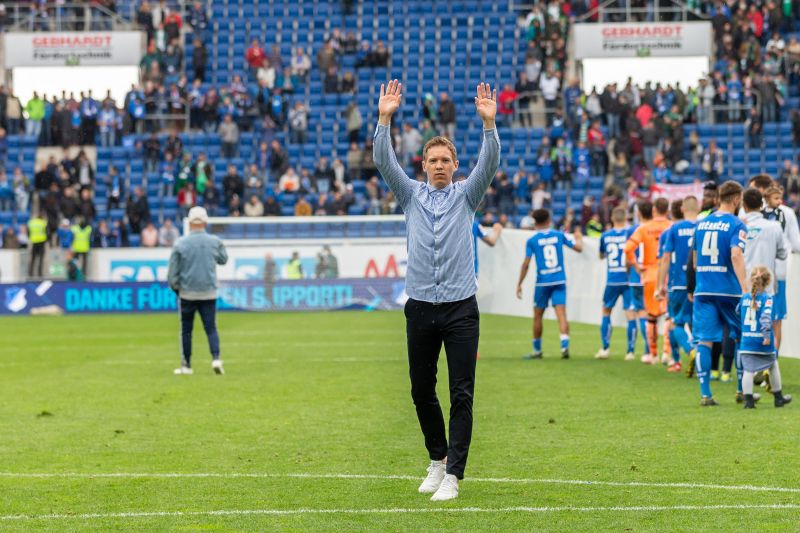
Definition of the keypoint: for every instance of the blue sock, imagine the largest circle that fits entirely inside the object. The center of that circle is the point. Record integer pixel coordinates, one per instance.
(643, 327)
(631, 336)
(605, 332)
(537, 345)
(673, 342)
(704, 369)
(683, 339)
(564, 342)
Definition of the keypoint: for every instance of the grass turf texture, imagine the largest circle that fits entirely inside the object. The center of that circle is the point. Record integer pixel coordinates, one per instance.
(328, 393)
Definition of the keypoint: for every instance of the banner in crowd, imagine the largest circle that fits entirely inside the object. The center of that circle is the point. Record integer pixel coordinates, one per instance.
(674, 192)
(46, 49)
(644, 39)
(49, 297)
(354, 258)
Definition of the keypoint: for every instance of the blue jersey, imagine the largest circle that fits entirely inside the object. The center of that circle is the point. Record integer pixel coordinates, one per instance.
(715, 237)
(612, 244)
(756, 324)
(678, 242)
(477, 233)
(633, 277)
(547, 247)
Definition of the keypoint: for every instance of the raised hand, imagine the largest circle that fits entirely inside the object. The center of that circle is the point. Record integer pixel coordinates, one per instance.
(389, 101)
(486, 104)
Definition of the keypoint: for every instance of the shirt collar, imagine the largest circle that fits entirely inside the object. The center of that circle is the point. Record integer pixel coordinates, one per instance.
(753, 215)
(432, 189)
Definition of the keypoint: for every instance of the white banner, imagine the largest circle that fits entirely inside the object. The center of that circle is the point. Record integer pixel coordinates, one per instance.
(645, 39)
(356, 259)
(586, 275)
(10, 266)
(73, 49)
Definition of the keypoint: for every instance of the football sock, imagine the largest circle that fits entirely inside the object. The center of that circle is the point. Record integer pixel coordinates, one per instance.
(643, 327)
(739, 372)
(537, 345)
(631, 336)
(775, 376)
(747, 382)
(682, 338)
(652, 337)
(675, 345)
(703, 369)
(605, 332)
(564, 342)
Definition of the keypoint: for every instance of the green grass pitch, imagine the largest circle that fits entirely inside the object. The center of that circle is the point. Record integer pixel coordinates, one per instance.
(311, 398)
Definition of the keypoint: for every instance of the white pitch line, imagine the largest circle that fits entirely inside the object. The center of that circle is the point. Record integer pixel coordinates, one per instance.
(286, 512)
(233, 475)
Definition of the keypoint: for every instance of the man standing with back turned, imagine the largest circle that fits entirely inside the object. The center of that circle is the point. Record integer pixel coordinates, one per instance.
(193, 276)
(440, 280)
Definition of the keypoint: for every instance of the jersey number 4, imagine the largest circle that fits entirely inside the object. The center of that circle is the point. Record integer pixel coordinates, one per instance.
(710, 247)
(750, 318)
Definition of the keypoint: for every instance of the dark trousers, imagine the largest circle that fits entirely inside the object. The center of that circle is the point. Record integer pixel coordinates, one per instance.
(37, 254)
(208, 315)
(456, 324)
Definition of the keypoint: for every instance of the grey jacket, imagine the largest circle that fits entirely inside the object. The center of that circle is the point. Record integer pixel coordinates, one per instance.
(765, 244)
(193, 265)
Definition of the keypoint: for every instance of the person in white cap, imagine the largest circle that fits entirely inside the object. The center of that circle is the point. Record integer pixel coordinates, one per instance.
(193, 276)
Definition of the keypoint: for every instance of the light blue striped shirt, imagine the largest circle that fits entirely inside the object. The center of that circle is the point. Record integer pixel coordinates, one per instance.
(441, 255)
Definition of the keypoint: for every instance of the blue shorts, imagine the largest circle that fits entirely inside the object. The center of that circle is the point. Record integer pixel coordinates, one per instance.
(544, 294)
(636, 298)
(612, 294)
(779, 302)
(711, 314)
(679, 307)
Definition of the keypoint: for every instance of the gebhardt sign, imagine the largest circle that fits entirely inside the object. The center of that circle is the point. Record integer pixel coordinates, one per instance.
(658, 39)
(77, 48)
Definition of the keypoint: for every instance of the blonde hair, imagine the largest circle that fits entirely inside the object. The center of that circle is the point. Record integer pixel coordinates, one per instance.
(760, 278)
(439, 141)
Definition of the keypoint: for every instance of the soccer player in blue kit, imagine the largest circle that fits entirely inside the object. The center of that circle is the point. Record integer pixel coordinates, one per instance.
(612, 244)
(677, 245)
(546, 245)
(718, 256)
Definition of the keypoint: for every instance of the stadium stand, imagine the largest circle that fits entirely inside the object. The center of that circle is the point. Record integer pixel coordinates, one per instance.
(447, 52)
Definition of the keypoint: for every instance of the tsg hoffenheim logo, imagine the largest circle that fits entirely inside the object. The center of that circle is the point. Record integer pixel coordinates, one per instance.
(16, 299)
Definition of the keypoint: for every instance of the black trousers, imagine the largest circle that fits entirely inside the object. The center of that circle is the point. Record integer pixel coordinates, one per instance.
(37, 254)
(208, 315)
(456, 324)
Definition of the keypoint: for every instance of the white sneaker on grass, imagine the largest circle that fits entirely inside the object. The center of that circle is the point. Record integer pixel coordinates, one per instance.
(602, 353)
(448, 490)
(435, 476)
(630, 357)
(183, 370)
(216, 365)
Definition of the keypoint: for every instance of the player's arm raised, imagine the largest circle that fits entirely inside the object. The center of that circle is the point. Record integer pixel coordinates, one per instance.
(382, 152)
(578, 235)
(522, 273)
(489, 159)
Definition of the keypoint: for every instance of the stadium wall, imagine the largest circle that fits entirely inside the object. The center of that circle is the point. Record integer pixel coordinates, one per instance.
(586, 274)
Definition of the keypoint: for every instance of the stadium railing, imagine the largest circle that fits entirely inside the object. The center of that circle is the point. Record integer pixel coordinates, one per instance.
(251, 230)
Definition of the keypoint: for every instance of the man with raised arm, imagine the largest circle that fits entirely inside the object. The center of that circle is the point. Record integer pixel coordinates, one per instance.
(440, 280)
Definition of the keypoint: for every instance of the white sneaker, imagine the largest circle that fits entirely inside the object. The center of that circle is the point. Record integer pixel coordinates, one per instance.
(448, 490)
(630, 357)
(649, 359)
(216, 365)
(435, 476)
(666, 359)
(602, 353)
(183, 370)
